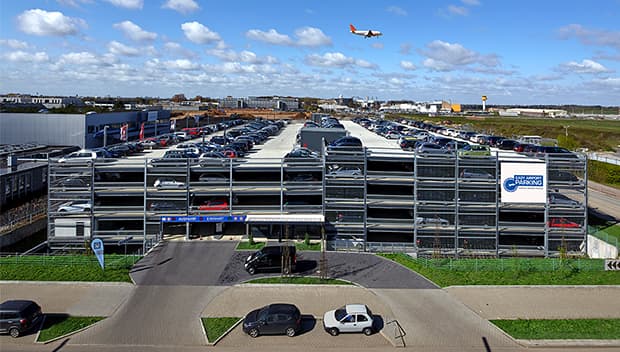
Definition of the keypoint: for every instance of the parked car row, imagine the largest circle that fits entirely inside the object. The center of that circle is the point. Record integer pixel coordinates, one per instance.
(286, 319)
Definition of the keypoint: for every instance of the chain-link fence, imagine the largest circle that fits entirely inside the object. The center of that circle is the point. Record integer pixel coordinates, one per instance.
(111, 260)
(511, 264)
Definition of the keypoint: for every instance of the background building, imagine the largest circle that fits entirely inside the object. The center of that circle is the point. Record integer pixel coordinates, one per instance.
(83, 130)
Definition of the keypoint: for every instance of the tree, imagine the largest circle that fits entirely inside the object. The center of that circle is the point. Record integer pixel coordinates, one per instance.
(198, 98)
(177, 98)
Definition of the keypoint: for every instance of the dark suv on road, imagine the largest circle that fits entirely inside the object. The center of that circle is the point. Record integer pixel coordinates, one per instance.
(270, 258)
(19, 316)
(274, 319)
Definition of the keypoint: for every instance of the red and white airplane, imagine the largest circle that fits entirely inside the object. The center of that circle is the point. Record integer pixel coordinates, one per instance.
(369, 33)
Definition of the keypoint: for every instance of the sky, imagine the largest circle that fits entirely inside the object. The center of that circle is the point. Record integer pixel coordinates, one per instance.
(514, 52)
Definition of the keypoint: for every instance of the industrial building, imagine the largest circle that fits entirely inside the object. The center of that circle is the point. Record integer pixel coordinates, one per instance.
(392, 201)
(84, 130)
(276, 103)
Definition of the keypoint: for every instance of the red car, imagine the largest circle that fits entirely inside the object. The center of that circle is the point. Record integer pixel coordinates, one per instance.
(562, 222)
(217, 204)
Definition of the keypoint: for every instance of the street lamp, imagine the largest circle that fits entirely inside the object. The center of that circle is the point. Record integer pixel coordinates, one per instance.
(566, 130)
(105, 135)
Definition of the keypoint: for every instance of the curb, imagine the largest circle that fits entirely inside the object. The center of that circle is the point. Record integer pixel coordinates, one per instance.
(204, 330)
(534, 286)
(65, 335)
(86, 283)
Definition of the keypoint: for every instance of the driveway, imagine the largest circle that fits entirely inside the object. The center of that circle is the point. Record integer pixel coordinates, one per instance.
(364, 269)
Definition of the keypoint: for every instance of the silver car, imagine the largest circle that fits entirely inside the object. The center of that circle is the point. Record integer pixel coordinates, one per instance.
(350, 318)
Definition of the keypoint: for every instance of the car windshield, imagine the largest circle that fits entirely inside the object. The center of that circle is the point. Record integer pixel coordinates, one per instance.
(340, 313)
(262, 314)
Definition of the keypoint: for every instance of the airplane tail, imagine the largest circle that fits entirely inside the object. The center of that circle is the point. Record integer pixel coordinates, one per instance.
(352, 28)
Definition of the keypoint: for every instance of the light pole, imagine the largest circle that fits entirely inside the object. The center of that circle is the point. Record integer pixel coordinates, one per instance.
(105, 135)
(566, 130)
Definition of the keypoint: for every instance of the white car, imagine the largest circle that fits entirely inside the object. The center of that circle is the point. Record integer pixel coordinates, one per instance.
(350, 318)
(168, 183)
(75, 207)
(82, 156)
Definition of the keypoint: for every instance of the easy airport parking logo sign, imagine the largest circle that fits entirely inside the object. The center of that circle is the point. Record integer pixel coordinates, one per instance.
(523, 182)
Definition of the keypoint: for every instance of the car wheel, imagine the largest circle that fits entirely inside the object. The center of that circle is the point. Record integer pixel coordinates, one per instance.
(290, 332)
(367, 331)
(14, 332)
(251, 270)
(253, 332)
(333, 331)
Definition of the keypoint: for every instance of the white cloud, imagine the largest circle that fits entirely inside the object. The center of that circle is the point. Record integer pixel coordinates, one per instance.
(244, 56)
(458, 10)
(181, 6)
(396, 10)
(271, 36)
(591, 36)
(134, 32)
(407, 65)
(336, 60)
(41, 22)
(471, 2)
(74, 3)
(405, 48)
(585, 66)
(22, 56)
(13, 43)
(199, 33)
(117, 48)
(306, 36)
(443, 56)
(85, 58)
(312, 37)
(128, 4)
(181, 64)
(377, 45)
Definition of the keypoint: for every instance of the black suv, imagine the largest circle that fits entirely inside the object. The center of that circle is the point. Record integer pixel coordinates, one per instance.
(270, 258)
(19, 316)
(273, 319)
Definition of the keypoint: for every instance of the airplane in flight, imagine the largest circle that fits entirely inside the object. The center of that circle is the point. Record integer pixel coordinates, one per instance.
(369, 33)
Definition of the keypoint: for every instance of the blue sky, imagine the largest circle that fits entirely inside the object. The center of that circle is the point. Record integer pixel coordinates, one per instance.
(515, 52)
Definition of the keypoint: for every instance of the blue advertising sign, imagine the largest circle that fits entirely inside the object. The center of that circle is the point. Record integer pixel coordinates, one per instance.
(217, 218)
(97, 246)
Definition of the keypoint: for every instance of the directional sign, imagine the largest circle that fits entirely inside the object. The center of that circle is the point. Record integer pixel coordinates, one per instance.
(222, 218)
(612, 264)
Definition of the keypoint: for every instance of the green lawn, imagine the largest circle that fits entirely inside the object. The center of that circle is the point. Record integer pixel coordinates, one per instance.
(245, 245)
(295, 280)
(57, 325)
(561, 329)
(216, 327)
(611, 232)
(302, 246)
(511, 271)
(66, 268)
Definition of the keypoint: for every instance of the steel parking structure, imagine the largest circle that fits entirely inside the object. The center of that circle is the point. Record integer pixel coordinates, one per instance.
(399, 201)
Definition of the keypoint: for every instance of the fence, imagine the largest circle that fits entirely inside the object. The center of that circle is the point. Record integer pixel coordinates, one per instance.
(511, 264)
(111, 260)
(604, 159)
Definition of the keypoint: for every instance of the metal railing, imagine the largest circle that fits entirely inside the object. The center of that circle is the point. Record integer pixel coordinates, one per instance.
(604, 159)
(399, 332)
(16, 218)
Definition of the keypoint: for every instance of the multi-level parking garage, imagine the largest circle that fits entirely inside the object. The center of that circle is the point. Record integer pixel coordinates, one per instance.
(375, 198)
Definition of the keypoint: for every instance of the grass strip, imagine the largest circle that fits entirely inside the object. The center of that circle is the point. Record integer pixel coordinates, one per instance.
(216, 327)
(245, 245)
(66, 268)
(561, 329)
(302, 246)
(513, 271)
(57, 325)
(298, 280)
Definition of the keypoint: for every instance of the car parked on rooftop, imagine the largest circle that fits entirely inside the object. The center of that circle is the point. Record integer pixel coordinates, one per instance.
(475, 150)
(349, 318)
(19, 316)
(273, 319)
